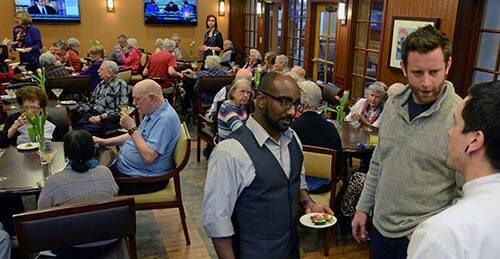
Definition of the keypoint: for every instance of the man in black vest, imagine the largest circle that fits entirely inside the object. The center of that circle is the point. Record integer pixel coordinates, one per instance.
(255, 180)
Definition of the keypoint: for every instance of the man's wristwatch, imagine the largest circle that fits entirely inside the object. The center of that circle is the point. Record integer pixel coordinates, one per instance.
(131, 130)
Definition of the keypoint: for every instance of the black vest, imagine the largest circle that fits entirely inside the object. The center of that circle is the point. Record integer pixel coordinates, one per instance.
(266, 212)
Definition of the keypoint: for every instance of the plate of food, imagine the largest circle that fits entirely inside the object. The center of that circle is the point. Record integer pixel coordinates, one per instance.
(68, 102)
(318, 220)
(20, 50)
(27, 146)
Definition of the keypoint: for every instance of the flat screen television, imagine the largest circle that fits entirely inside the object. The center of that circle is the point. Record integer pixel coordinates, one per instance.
(51, 11)
(171, 12)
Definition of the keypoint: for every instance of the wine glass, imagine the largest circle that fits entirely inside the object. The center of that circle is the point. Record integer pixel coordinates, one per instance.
(12, 94)
(57, 92)
(233, 66)
(194, 65)
(2, 178)
(127, 109)
(46, 155)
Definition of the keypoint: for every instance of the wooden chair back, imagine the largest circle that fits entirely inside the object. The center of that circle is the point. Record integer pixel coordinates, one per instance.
(71, 85)
(67, 226)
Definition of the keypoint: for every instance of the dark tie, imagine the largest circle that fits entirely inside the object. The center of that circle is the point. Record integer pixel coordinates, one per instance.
(43, 10)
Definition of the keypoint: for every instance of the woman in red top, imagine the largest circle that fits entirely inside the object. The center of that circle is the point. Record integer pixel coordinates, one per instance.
(74, 59)
(133, 59)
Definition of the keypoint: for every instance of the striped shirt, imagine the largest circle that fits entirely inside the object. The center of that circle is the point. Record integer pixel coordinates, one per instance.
(55, 71)
(230, 118)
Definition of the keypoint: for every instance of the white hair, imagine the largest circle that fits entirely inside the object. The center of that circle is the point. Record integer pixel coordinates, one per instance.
(47, 59)
(132, 42)
(159, 43)
(282, 59)
(111, 65)
(72, 42)
(310, 95)
(169, 45)
(380, 88)
(256, 53)
(212, 62)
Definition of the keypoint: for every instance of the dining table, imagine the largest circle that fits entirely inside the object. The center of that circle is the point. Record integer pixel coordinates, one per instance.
(23, 173)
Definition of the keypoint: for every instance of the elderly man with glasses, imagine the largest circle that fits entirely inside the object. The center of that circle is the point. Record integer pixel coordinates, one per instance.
(255, 180)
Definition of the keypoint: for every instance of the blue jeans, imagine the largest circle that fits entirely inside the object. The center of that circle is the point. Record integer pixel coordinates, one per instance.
(387, 248)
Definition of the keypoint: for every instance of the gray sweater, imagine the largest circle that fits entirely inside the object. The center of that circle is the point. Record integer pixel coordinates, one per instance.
(70, 187)
(408, 180)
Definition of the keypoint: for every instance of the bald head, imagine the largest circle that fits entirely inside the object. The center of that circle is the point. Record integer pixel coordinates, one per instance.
(148, 87)
(299, 71)
(267, 82)
(244, 73)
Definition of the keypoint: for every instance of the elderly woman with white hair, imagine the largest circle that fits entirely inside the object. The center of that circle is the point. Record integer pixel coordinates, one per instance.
(74, 59)
(314, 130)
(51, 66)
(281, 64)
(367, 111)
(232, 113)
(212, 68)
(133, 59)
(254, 60)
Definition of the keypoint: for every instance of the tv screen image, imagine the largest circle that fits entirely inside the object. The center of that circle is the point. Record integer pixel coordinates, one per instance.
(51, 11)
(170, 12)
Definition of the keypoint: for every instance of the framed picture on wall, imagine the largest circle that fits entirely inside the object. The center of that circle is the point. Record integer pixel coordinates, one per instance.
(401, 28)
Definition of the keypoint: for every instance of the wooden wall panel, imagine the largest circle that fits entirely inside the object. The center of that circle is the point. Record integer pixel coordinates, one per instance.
(445, 10)
(128, 18)
(342, 50)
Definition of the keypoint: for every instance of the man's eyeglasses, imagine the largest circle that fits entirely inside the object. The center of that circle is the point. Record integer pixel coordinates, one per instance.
(285, 102)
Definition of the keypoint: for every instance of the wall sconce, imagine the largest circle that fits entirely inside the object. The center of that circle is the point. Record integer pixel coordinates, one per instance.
(221, 7)
(110, 4)
(259, 8)
(342, 12)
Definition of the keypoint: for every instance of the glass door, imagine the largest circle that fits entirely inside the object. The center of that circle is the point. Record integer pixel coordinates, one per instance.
(324, 43)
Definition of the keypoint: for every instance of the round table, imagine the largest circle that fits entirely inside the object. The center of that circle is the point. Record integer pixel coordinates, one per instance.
(25, 173)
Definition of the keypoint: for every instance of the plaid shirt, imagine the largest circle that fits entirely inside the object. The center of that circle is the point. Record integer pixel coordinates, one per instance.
(107, 98)
(55, 71)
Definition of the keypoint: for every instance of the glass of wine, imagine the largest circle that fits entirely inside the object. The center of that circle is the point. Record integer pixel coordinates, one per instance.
(194, 65)
(127, 109)
(12, 94)
(2, 178)
(57, 92)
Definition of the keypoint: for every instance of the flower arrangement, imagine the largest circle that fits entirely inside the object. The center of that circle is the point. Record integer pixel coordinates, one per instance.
(39, 78)
(341, 108)
(191, 48)
(258, 72)
(37, 131)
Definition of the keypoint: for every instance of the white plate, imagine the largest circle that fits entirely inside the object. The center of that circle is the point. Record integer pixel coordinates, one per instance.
(20, 50)
(27, 146)
(7, 97)
(69, 102)
(307, 221)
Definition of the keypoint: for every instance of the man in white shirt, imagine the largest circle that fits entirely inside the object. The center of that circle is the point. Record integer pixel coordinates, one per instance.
(470, 228)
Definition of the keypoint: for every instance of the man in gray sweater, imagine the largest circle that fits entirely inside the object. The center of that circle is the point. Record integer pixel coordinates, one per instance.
(408, 180)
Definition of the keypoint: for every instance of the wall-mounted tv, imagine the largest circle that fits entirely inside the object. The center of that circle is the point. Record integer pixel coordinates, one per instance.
(51, 11)
(171, 12)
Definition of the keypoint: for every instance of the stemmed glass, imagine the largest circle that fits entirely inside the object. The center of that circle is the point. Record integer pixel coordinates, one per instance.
(233, 66)
(12, 95)
(46, 155)
(2, 178)
(57, 92)
(194, 65)
(127, 109)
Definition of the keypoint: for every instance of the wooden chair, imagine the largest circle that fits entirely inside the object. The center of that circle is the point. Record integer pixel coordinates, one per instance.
(207, 130)
(320, 162)
(125, 75)
(67, 226)
(330, 91)
(170, 197)
(72, 86)
(210, 85)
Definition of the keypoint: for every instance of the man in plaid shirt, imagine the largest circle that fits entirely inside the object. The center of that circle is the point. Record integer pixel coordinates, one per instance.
(107, 97)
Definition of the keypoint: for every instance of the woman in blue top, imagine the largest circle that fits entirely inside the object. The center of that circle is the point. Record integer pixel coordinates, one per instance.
(97, 56)
(27, 41)
(232, 113)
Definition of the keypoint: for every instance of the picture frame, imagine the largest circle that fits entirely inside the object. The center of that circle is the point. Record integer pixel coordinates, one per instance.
(402, 26)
